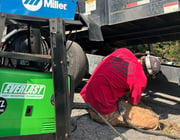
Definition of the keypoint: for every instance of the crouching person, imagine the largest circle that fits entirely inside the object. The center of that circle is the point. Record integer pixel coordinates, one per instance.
(120, 73)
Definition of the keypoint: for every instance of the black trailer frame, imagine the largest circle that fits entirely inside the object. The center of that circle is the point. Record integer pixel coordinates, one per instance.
(143, 23)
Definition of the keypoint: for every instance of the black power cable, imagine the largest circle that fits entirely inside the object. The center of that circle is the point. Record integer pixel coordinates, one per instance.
(88, 106)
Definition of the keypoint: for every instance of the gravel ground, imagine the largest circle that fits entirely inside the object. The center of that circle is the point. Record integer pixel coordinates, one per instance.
(165, 105)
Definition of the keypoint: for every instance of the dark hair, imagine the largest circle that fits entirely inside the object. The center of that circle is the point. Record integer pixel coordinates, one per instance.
(139, 55)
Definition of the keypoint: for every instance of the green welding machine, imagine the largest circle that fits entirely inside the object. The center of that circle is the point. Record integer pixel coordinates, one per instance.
(26, 102)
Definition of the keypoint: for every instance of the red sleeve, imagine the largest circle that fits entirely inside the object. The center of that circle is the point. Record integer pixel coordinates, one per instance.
(135, 94)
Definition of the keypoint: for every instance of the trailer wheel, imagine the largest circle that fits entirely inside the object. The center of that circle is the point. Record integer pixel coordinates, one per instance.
(77, 61)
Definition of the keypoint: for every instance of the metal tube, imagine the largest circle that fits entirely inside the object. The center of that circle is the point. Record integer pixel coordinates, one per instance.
(60, 75)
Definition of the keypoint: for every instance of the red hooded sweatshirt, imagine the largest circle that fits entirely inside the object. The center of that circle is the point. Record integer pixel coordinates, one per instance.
(119, 73)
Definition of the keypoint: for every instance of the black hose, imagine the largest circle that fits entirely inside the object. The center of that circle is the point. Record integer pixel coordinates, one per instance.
(122, 137)
(74, 122)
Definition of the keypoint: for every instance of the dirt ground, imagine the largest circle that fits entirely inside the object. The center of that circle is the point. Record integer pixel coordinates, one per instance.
(167, 106)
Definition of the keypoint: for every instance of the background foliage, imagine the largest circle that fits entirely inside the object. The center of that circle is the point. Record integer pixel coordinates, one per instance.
(169, 50)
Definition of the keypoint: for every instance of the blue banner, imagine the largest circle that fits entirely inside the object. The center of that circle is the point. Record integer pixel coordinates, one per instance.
(40, 8)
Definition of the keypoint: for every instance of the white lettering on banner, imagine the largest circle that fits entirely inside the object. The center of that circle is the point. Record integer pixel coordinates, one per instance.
(2, 104)
(22, 90)
(35, 5)
(54, 4)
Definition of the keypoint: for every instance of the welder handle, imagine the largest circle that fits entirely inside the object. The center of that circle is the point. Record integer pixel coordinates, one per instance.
(80, 106)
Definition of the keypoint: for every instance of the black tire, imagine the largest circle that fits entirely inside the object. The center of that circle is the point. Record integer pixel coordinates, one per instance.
(77, 62)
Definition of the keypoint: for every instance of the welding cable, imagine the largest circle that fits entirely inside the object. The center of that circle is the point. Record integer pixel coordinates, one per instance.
(75, 34)
(88, 106)
(74, 122)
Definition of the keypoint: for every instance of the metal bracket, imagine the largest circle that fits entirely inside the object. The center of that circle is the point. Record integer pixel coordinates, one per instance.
(2, 24)
(35, 42)
(60, 77)
(35, 39)
(95, 33)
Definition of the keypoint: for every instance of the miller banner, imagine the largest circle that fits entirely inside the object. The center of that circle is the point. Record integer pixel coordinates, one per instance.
(40, 8)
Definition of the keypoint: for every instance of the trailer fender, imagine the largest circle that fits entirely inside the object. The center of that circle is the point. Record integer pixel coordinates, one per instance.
(95, 33)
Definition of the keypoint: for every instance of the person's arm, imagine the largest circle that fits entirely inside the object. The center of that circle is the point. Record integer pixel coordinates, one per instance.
(135, 94)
